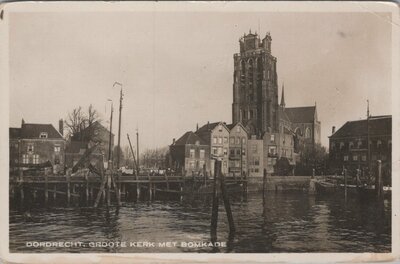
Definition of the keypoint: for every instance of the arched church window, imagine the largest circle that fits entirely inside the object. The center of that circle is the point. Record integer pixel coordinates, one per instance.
(308, 133)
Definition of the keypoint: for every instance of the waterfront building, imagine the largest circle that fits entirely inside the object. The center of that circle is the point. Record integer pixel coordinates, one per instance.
(35, 146)
(190, 154)
(255, 155)
(348, 146)
(238, 138)
(216, 135)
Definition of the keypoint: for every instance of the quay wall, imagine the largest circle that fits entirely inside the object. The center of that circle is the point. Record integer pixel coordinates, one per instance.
(281, 183)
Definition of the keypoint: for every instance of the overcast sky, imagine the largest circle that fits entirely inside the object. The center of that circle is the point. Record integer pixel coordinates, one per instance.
(177, 68)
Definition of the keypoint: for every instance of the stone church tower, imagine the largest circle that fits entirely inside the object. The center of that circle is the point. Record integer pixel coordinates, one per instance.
(255, 85)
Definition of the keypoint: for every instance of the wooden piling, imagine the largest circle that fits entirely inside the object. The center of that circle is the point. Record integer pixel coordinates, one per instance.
(108, 175)
(227, 204)
(166, 180)
(46, 189)
(101, 192)
(215, 202)
(264, 181)
(87, 187)
(148, 176)
(68, 186)
(55, 192)
(378, 180)
(345, 183)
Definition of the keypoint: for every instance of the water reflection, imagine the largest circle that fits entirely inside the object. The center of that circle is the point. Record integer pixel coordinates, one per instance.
(275, 222)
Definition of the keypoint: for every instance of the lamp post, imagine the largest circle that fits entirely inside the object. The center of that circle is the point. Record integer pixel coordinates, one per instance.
(110, 138)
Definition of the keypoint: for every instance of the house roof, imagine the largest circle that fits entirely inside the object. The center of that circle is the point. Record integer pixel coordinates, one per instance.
(379, 125)
(303, 114)
(15, 132)
(283, 115)
(97, 125)
(210, 126)
(231, 126)
(29, 131)
(189, 138)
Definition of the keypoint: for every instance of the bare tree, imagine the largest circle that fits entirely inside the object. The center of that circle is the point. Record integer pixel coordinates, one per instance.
(80, 124)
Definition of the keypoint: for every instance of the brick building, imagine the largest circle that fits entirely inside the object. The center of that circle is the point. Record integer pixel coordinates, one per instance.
(190, 154)
(35, 146)
(348, 145)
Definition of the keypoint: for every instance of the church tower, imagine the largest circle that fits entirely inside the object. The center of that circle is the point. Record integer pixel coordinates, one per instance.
(255, 85)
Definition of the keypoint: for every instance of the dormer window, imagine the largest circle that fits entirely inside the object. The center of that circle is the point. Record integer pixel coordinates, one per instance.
(43, 135)
(220, 128)
(238, 129)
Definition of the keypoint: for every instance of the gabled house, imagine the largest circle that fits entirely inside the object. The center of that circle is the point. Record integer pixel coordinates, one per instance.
(36, 146)
(238, 139)
(216, 135)
(190, 154)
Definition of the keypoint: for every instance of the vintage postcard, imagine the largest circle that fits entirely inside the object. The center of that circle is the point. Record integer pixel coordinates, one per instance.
(199, 132)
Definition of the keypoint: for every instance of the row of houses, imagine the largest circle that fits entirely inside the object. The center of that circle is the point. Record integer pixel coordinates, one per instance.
(42, 147)
(239, 152)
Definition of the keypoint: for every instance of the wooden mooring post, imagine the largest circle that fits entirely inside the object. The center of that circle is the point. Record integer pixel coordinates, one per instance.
(264, 181)
(345, 183)
(219, 188)
(378, 180)
(148, 176)
(46, 189)
(68, 186)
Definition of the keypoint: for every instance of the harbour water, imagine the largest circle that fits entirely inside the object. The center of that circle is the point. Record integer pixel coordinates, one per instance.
(279, 222)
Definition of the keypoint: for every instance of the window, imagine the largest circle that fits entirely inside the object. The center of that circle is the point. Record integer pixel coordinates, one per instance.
(333, 146)
(272, 138)
(238, 140)
(308, 133)
(272, 150)
(254, 148)
(201, 163)
(192, 164)
(57, 159)
(256, 170)
(25, 159)
(238, 129)
(232, 152)
(214, 140)
(232, 139)
(364, 157)
(30, 148)
(378, 143)
(238, 152)
(345, 158)
(215, 151)
(57, 148)
(197, 143)
(225, 151)
(202, 153)
(220, 128)
(351, 145)
(359, 144)
(225, 140)
(251, 114)
(355, 157)
(43, 135)
(219, 140)
(341, 145)
(225, 164)
(243, 140)
(36, 159)
(191, 153)
(257, 161)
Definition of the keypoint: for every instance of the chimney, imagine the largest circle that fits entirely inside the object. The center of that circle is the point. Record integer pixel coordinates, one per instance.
(208, 124)
(22, 122)
(333, 129)
(61, 127)
(173, 141)
(197, 126)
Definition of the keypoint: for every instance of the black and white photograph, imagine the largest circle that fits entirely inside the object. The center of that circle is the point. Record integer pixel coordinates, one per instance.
(149, 127)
